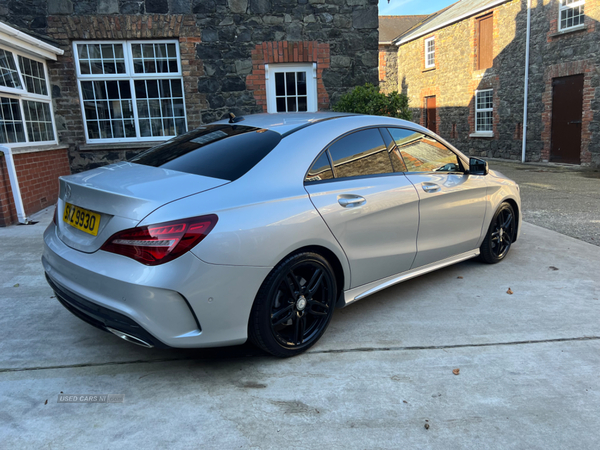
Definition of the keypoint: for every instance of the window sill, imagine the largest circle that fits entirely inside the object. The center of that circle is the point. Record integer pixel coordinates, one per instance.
(569, 30)
(482, 134)
(428, 69)
(117, 146)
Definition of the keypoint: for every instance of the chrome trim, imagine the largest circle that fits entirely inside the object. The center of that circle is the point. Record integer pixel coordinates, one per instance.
(365, 290)
(129, 338)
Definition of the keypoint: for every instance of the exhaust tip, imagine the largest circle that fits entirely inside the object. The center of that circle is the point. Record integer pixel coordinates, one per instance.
(129, 338)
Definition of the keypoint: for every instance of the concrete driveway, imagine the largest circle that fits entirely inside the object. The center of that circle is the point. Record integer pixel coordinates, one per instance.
(529, 366)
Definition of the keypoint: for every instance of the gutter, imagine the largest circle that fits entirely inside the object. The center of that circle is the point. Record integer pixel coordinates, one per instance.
(30, 39)
(526, 90)
(451, 21)
(14, 184)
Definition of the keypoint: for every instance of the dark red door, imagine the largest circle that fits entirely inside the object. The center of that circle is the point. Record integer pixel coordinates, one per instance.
(430, 114)
(567, 107)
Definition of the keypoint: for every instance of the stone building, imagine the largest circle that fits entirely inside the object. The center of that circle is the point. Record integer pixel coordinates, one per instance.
(464, 72)
(125, 75)
(391, 27)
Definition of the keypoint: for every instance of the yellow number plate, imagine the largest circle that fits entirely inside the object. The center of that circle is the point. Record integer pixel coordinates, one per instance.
(82, 219)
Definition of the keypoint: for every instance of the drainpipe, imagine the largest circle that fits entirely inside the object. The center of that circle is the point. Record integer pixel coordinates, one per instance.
(526, 95)
(14, 184)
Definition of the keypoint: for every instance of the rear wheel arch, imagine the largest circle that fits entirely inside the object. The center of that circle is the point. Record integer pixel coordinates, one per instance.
(331, 258)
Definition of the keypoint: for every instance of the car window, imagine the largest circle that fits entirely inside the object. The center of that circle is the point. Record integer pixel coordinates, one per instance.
(321, 169)
(359, 154)
(218, 151)
(422, 153)
(397, 161)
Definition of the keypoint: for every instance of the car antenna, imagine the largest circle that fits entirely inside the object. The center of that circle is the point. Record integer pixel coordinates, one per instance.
(233, 119)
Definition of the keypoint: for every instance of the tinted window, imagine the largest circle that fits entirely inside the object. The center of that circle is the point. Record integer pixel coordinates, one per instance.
(422, 153)
(397, 161)
(320, 170)
(361, 153)
(217, 151)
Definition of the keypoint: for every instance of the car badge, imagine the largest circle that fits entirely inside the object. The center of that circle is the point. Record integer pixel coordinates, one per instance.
(67, 191)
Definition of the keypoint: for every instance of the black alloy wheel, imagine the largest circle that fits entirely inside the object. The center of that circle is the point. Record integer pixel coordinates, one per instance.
(500, 236)
(294, 305)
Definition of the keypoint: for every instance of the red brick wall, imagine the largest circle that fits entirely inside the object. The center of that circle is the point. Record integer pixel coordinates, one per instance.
(38, 174)
(288, 52)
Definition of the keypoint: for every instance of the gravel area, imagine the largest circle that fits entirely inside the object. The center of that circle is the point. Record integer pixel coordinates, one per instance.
(561, 198)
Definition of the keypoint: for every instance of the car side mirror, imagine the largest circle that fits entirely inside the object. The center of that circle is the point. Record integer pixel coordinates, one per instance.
(478, 166)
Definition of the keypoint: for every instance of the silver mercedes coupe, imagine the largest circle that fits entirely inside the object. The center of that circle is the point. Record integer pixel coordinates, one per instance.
(258, 227)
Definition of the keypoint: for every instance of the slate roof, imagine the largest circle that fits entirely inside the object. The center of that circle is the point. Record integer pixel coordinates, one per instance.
(391, 27)
(447, 16)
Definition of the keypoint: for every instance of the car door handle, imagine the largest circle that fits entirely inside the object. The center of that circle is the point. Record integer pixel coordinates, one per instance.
(430, 187)
(351, 201)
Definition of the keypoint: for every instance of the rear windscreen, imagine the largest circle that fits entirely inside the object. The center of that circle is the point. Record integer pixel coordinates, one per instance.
(217, 151)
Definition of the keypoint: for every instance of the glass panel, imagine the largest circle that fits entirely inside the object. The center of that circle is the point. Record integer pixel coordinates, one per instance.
(301, 76)
(290, 81)
(359, 154)
(320, 170)
(279, 84)
(485, 99)
(9, 76)
(176, 88)
(424, 154)
(92, 129)
(485, 121)
(38, 121)
(101, 58)
(106, 105)
(154, 58)
(11, 122)
(281, 104)
(302, 105)
(291, 104)
(34, 76)
(145, 128)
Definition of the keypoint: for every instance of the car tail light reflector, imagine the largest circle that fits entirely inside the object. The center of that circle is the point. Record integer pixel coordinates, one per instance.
(157, 244)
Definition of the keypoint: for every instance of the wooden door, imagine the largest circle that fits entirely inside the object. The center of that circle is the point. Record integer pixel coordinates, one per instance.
(567, 111)
(485, 50)
(430, 114)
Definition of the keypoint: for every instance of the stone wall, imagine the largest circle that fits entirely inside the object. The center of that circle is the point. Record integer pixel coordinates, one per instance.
(218, 40)
(388, 68)
(455, 79)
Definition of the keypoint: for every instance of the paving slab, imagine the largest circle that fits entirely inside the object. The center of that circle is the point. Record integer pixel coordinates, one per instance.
(529, 365)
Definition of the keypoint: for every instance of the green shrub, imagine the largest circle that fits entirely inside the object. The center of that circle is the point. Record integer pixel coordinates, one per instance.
(368, 100)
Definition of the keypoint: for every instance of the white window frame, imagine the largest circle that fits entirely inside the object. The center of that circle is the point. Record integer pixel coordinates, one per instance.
(562, 6)
(130, 76)
(22, 95)
(311, 83)
(429, 52)
(483, 133)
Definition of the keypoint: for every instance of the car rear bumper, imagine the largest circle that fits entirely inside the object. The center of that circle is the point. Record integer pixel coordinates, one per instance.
(184, 303)
(101, 317)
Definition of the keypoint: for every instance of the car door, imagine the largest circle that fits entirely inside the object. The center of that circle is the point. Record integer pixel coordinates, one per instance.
(371, 211)
(452, 203)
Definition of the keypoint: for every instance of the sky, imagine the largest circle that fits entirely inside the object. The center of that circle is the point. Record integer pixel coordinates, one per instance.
(409, 7)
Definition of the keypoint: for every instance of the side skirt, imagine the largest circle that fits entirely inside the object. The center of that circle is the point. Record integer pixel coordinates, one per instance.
(360, 292)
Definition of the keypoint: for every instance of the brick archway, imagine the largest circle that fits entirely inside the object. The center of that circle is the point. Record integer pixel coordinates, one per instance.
(288, 52)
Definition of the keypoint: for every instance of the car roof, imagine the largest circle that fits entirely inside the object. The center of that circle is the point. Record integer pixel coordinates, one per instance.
(284, 123)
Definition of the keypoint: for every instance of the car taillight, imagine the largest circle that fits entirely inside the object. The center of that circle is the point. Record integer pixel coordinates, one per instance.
(157, 244)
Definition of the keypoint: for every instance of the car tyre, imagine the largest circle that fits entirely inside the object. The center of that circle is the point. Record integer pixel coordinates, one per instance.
(500, 236)
(294, 305)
